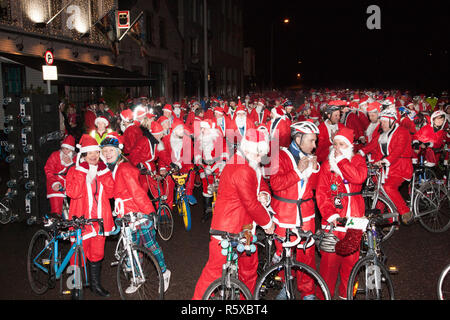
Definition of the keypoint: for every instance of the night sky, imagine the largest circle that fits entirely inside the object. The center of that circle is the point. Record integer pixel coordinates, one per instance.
(410, 51)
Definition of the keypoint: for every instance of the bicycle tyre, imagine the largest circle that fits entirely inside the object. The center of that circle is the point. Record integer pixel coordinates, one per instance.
(435, 197)
(353, 284)
(80, 274)
(150, 290)
(443, 287)
(5, 211)
(165, 222)
(39, 278)
(389, 208)
(186, 213)
(268, 280)
(215, 288)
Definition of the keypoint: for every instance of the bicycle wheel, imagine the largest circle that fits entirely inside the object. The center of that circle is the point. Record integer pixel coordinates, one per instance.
(270, 283)
(387, 208)
(78, 278)
(39, 261)
(443, 288)
(165, 222)
(186, 213)
(432, 207)
(142, 272)
(233, 290)
(370, 280)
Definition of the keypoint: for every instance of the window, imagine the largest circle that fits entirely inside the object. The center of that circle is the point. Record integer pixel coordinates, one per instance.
(162, 34)
(13, 79)
(149, 27)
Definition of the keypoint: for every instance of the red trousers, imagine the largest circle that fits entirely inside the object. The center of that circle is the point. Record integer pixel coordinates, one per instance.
(213, 269)
(94, 249)
(391, 186)
(56, 204)
(332, 265)
(305, 284)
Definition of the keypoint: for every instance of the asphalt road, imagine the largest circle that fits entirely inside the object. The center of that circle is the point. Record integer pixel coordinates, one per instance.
(419, 255)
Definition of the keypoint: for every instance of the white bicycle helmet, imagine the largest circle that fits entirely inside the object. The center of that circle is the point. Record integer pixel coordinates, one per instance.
(389, 113)
(439, 113)
(303, 127)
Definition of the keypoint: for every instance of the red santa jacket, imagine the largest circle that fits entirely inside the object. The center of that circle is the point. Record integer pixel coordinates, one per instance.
(397, 152)
(280, 128)
(184, 155)
(289, 183)
(407, 123)
(371, 148)
(352, 121)
(237, 204)
(324, 140)
(150, 153)
(55, 172)
(261, 117)
(128, 193)
(89, 120)
(90, 200)
(130, 137)
(426, 134)
(349, 180)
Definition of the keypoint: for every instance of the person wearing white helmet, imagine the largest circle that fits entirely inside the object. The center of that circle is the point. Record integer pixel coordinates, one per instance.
(395, 154)
(292, 181)
(432, 137)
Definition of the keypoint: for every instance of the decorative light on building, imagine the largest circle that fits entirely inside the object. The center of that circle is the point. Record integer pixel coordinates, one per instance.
(35, 10)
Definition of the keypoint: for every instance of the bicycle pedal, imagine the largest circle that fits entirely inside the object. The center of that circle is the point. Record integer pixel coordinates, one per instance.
(66, 292)
(393, 270)
(45, 262)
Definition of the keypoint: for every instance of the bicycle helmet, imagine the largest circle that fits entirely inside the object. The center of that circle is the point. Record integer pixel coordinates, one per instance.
(330, 108)
(389, 113)
(303, 127)
(326, 241)
(439, 113)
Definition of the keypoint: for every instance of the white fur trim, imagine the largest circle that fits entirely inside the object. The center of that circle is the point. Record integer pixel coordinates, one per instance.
(89, 148)
(68, 146)
(344, 139)
(254, 147)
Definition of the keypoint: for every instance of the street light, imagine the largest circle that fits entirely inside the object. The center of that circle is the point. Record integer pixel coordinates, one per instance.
(272, 27)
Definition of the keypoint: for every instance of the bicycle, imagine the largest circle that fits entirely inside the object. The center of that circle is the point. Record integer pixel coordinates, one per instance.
(432, 204)
(443, 287)
(229, 287)
(44, 262)
(139, 274)
(181, 200)
(270, 283)
(6, 212)
(369, 278)
(164, 218)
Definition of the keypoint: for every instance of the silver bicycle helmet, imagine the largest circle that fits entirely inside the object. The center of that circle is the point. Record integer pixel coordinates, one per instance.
(303, 127)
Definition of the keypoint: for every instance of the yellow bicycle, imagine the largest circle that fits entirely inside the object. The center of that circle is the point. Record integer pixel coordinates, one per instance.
(181, 201)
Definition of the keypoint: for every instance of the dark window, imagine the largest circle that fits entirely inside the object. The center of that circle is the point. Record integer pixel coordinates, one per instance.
(13, 79)
(162, 34)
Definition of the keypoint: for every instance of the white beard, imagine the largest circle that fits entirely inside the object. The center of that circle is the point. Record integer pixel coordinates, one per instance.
(347, 153)
(207, 144)
(370, 129)
(240, 122)
(177, 144)
(258, 108)
(177, 111)
(92, 173)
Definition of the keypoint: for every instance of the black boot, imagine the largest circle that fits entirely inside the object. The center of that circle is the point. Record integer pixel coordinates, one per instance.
(207, 207)
(95, 270)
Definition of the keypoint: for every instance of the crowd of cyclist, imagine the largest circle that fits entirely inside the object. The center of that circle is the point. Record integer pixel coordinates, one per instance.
(301, 158)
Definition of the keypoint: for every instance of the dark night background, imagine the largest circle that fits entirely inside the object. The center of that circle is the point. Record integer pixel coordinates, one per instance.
(337, 49)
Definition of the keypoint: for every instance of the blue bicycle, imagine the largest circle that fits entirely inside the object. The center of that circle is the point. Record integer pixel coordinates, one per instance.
(44, 262)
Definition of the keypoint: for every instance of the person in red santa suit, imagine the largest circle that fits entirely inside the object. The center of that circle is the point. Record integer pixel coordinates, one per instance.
(131, 132)
(372, 132)
(328, 129)
(150, 156)
(292, 183)
(241, 123)
(178, 112)
(338, 195)
(260, 115)
(168, 113)
(238, 208)
(210, 154)
(55, 169)
(432, 137)
(180, 147)
(395, 154)
(350, 119)
(89, 184)
(101, 129)
(130, 197)
(191, 114)
(279, 127)
(89, 117)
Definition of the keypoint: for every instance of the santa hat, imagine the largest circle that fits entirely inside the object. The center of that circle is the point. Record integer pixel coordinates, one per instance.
(156, 128)
(255, 141)
(353, 105)
(101, 119)
(69, 143)
(126, 115)
(345, 134)
(374, 107)
(278, 111)
(315, 115)
(150, 115)
(162, 119)
(241, 108)
(261, 101)
(337, 103)
(167, 107)
(218, 110)
(176, 103)
(112, 139)
(139, 112)
(177, 122)
(87, 143)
